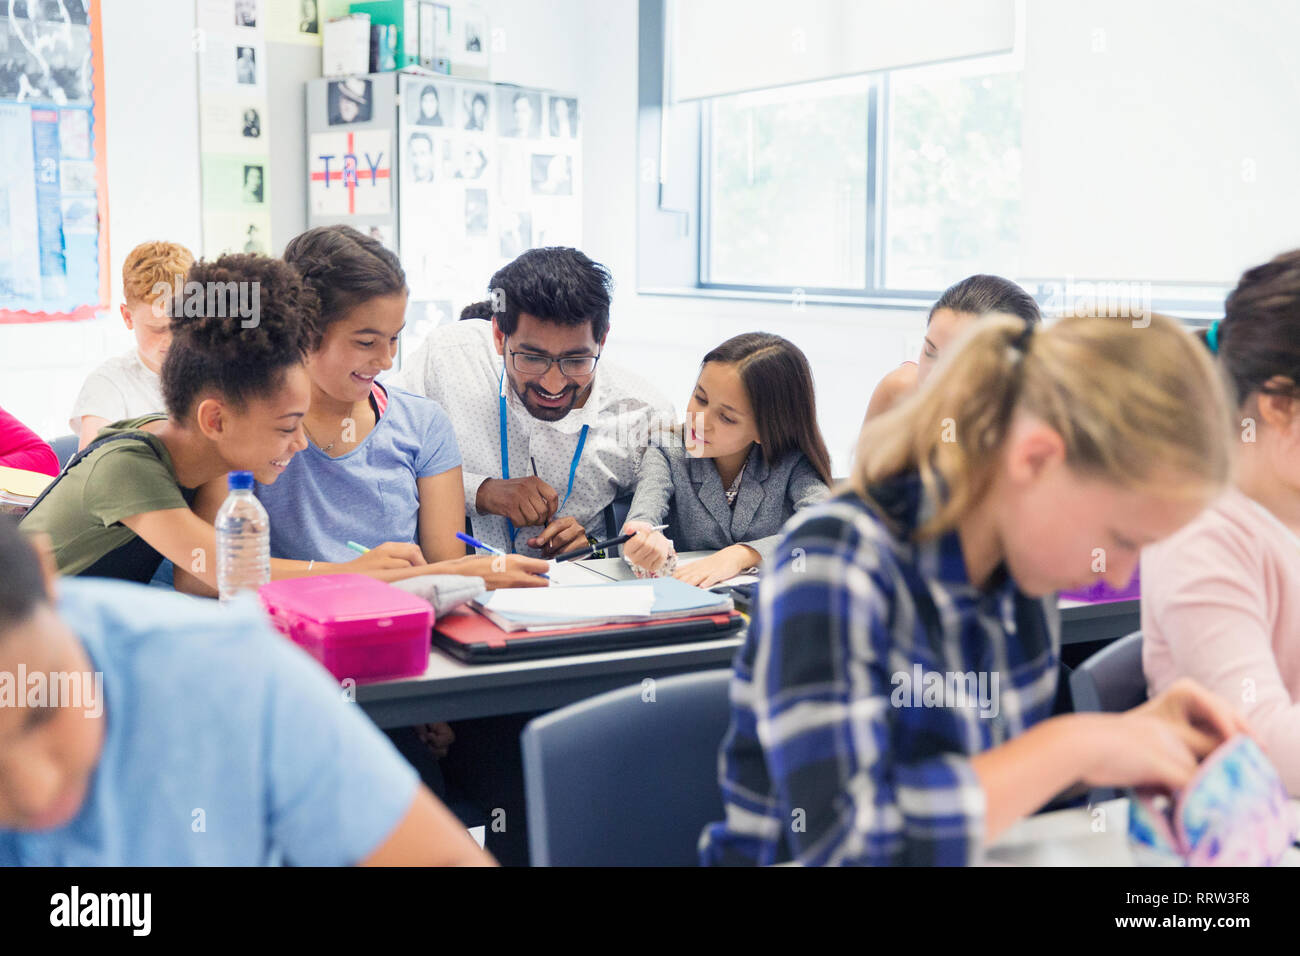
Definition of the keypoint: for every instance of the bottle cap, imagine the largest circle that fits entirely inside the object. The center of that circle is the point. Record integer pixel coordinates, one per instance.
(240, 481)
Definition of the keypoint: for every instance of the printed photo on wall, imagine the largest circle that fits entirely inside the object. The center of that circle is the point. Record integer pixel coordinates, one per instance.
(476, 212)
(474, 104)
(45, 53)
(252, 124)
(552, 175)
(245, 13)
(519, 113)
(563, 117)
(309, 18)
(463, 160)
(349, 101)
(253, 239)
(253, 184)
(428, 110)
(516, 233)
(245, 66)
(419, 157)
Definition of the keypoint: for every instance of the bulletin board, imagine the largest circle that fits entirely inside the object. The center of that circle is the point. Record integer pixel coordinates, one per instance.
(53, 176)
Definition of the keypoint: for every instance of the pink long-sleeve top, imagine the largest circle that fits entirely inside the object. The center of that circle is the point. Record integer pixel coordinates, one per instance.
(20, 447)
(1221, 604)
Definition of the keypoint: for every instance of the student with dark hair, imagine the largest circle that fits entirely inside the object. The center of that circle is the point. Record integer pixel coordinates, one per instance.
(1221, 599)
(949, 317)
(549, 432)
(175, 710)
(477, 310)
(749, 457)
(380, 464)
(236, 393)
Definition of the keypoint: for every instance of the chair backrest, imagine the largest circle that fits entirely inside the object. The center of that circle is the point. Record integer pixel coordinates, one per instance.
(629, 777)
(1111, 680)
(615, 514)
(65, 446)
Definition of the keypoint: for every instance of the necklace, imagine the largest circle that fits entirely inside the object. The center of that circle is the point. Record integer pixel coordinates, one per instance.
(324, 448)
(734, 489)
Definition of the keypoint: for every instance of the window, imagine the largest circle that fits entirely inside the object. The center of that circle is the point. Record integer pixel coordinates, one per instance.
(787, 175)
(786, 188)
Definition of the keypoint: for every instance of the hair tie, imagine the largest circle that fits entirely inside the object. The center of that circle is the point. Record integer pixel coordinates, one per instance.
(1212, 337)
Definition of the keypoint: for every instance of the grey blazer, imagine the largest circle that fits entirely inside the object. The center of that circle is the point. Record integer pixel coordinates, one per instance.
(687, 493)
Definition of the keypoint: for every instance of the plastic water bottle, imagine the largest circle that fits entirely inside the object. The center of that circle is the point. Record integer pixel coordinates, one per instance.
(243, 539)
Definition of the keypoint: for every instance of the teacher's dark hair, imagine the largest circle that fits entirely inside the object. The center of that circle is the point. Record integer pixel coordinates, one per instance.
(555, 284)
(22, 587)
(779, 382)
(344, 268)
(1259, 335)
(980, 294)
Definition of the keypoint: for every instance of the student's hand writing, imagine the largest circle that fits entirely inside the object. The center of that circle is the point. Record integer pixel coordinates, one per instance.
(499, 570)
(646, 548)
(562, 534)
(388, 556)
(727, 563)
(525, 501)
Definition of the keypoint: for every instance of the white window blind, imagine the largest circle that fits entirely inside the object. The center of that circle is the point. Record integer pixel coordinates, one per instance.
(718, 47)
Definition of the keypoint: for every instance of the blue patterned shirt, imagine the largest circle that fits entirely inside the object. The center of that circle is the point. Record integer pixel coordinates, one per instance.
(872, 672)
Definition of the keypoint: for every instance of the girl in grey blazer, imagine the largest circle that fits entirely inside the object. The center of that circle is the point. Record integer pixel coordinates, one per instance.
(749, 456)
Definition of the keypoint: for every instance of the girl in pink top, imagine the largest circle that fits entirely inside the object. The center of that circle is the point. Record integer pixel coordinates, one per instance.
(1221, 598)
(20, 447)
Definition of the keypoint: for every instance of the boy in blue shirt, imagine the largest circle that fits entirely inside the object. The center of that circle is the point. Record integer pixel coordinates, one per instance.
(141, 728)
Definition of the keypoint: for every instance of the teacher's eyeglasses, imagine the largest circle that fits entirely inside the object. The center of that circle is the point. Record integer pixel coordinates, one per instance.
(572, 366)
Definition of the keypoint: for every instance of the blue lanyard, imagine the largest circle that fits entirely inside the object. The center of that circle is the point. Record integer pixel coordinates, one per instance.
(505, 454)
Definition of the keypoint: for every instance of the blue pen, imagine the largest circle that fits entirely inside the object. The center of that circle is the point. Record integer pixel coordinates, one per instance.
(476, 543)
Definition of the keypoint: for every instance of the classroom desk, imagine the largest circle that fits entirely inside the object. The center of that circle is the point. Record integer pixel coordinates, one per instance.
(1069, 838)
(453, 690)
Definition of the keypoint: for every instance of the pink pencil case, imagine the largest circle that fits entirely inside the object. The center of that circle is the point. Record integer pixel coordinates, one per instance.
(1234, 812)
(357, 627)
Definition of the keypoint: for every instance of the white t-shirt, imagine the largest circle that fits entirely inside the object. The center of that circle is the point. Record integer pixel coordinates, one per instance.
(120, 388)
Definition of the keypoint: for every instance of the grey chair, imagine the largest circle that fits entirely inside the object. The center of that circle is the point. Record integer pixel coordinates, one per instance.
(1111, 680)
(65, 446)
(615, 514)
(622, 780)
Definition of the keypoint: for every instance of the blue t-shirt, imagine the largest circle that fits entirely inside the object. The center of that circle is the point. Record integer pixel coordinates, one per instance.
(225, 744)
(368, 495)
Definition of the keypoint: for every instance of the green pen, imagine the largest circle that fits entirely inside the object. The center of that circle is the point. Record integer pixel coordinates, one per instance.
(358, 548)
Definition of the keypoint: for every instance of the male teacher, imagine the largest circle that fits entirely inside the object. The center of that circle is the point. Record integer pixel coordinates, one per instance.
(550, 432)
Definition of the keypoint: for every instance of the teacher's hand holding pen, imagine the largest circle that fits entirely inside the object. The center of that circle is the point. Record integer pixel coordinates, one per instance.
(525, 501)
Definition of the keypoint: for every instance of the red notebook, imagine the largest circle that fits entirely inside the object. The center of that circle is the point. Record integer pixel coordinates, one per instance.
(473, 638)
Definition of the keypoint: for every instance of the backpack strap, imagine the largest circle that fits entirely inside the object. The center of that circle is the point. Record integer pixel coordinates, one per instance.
(81, 455)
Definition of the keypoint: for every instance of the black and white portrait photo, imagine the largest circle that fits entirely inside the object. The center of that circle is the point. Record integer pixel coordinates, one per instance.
(563, 118)
(476, 111)
(419, 155)
(516, 233)
(253, 184)
(245, 13)
(309, 18)
(476, 212)
(552, 175)
(349, 101)
(519, 113)
(252, 124)
(245, 65)
(428, 105)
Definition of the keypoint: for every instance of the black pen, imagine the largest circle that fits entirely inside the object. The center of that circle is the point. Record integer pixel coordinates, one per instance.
(601, 545)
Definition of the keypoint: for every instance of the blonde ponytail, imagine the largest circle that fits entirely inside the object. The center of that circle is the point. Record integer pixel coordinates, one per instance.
(1133, 405)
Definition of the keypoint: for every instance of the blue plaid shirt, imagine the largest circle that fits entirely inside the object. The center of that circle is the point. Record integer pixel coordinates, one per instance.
(872, 672)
